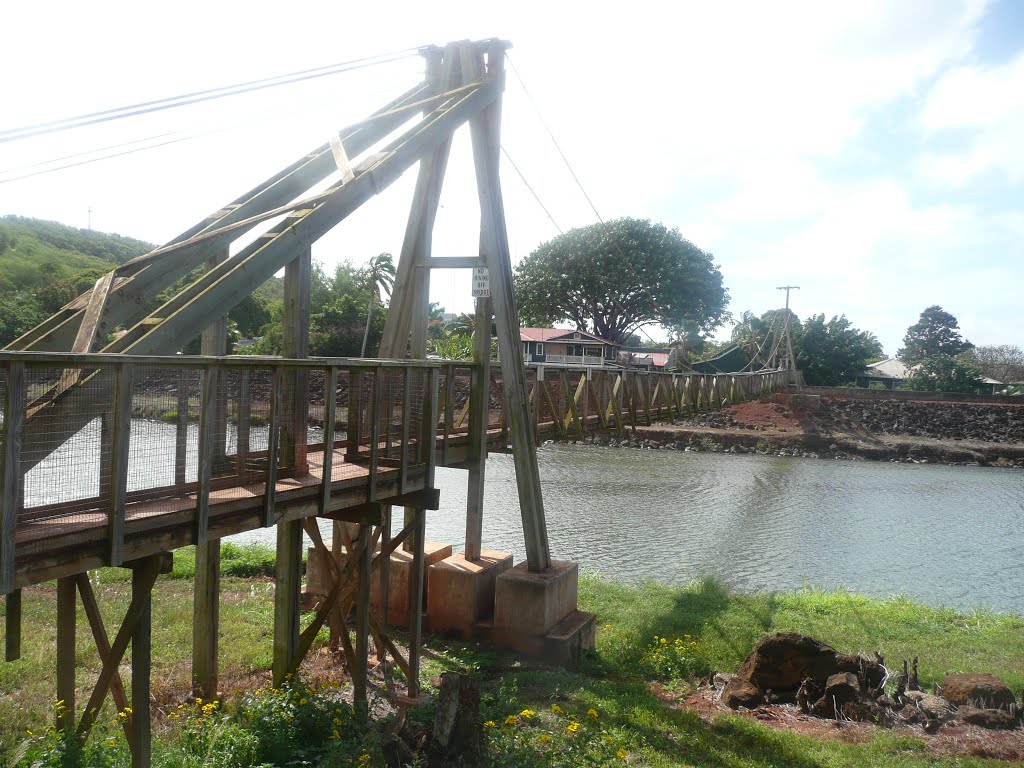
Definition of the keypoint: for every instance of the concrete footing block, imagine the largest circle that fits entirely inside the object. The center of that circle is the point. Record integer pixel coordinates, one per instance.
(462, 591)
(401, 568)
(532, 603)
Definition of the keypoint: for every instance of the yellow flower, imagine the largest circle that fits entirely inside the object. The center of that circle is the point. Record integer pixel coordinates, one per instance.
(608, 739)
(364, 758)
(336, 720)
(664, 641)
(544, 738)
(529, 714)
(572, 727)
(592, 713)
(302, 702)
(110, 742)
(334, 735)
(622, 754)
(511, 720)
(556, 709)
(490, 724)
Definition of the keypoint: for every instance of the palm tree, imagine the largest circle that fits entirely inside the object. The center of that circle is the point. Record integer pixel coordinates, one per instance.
(380, 276)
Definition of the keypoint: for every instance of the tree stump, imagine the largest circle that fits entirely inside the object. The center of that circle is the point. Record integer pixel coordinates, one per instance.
(457, 738)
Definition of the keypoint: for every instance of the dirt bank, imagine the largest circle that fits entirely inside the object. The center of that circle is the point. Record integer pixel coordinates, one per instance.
(907, 431)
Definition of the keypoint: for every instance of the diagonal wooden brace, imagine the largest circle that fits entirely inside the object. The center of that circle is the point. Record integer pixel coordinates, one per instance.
(150, 570)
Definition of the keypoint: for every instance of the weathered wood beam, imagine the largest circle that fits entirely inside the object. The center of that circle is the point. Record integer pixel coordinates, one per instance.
(11, 477)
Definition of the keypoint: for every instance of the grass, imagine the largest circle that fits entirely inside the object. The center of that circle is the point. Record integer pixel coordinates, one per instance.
(605, 713)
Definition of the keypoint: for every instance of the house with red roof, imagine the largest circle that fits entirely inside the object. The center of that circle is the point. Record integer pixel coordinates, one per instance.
(563, 347)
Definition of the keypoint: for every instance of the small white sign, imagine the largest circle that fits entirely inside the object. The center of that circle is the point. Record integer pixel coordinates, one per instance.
(481, 283)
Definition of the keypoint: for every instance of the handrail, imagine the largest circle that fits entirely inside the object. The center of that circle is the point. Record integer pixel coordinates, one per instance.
(192, 361)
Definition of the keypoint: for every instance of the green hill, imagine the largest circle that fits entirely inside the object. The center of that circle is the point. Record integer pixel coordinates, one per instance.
(44, 265)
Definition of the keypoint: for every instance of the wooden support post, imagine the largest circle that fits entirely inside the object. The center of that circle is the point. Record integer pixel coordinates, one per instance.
(295, 344)
(403, 466)
(375, 407)
(479, 399)
(359, 674)
(287, 572)
(67, 601)
(206, 621)
(273, 447)
(485, 129)
(11, 477)
(207, 426)
(141, 662)
(181, 429)
(119, 460)
(330, 411)
(213, 448)
(416, 579)
(244, 421)
(12, 626)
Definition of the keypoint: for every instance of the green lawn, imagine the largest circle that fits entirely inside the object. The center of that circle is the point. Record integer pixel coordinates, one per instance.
(605, 713)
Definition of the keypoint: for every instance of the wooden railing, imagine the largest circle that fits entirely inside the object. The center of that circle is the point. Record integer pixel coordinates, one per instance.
(94, 445)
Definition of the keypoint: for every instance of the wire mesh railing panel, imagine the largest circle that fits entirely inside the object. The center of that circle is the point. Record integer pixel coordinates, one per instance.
(416, 448)
(164, 440)
(390, 413)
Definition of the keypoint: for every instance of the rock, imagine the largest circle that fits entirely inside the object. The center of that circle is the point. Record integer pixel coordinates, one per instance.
(996, 719)
(840, 689)
(977, 690)
(781, 661)
(861, 710)
(935, 707)
(739, 692)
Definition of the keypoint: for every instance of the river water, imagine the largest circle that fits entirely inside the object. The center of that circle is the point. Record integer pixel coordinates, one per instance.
(950, 536)
(946, 535)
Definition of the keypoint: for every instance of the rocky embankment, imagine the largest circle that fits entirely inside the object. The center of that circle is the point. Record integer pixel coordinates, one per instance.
(881, 430)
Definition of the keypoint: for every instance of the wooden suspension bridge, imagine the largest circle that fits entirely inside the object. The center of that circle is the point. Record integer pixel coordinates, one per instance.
(115, 450)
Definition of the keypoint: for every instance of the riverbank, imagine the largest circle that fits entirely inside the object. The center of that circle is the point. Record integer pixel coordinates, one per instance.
(626, 705)
(955, 434)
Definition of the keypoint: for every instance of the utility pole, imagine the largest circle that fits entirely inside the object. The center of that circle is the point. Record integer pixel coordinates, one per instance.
(790, 359)
(90, 217)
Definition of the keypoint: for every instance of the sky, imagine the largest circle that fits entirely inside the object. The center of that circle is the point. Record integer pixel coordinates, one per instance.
(867, 152)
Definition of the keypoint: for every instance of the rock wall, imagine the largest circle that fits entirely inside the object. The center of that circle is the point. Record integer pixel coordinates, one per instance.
(943, 421)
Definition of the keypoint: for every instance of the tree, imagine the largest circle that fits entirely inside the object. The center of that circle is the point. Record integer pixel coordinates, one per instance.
(614, 277)
(751, 334)
(935, 334)
(1003, 362)
(944, 373)
(833, 352)
(380, 276)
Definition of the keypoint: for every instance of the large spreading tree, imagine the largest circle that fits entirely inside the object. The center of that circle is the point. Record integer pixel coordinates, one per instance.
(935, 334)
(611, 278)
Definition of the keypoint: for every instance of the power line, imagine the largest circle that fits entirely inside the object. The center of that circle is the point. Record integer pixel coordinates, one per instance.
(156, 105)
(552, 137)
(532, 191)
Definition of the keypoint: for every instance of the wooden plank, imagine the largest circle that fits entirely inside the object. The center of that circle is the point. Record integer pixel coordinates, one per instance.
(89, 328)
(206, 621)
(287, 575)
(99, 634)
(207, 423)
(330, 410)
(11, 477)
(273, 447)
(142, 590)
(12, 625)
(447, 397)
(66, 622)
